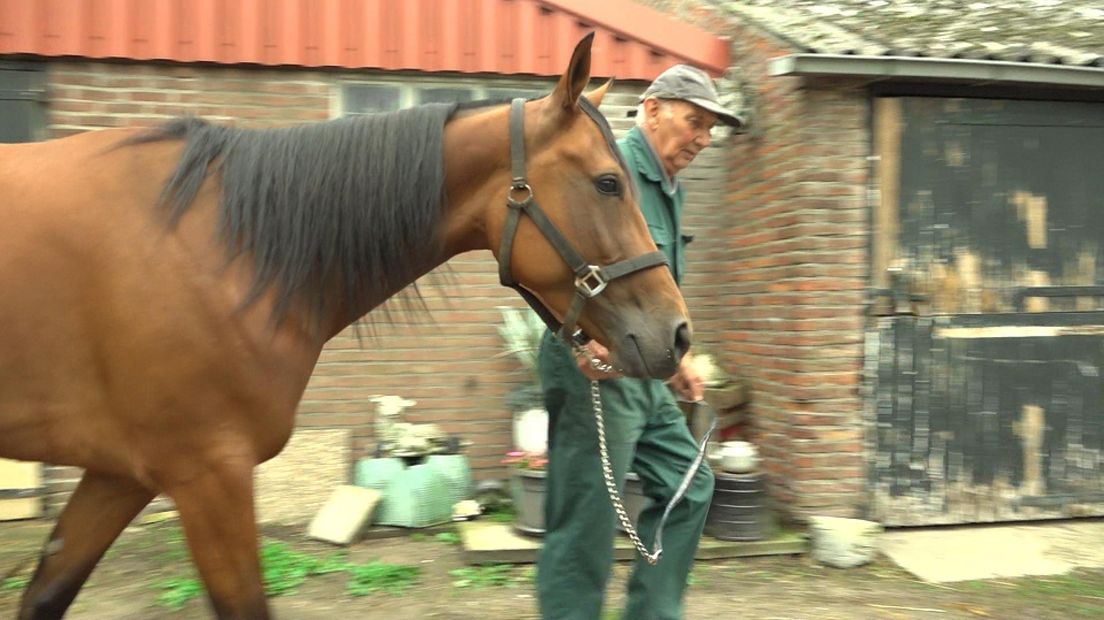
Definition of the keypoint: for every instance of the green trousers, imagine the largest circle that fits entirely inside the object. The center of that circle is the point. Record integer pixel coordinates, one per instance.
(645, 431)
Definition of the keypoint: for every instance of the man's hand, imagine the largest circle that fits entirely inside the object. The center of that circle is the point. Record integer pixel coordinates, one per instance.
(599, 353)
(687, 383)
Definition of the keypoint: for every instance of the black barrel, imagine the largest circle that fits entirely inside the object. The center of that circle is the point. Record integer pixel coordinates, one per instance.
(738, 511)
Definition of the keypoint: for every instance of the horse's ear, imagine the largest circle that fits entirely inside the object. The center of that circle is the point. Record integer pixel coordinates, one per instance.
(575, 79)
(595, 96)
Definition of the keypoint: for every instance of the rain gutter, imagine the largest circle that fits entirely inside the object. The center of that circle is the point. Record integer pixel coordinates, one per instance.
(977, 72)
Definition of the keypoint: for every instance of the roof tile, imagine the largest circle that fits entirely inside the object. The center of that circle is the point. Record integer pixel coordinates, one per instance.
(1067, 32)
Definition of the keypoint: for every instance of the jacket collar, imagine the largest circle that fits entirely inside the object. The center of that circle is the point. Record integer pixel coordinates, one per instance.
(650, 166)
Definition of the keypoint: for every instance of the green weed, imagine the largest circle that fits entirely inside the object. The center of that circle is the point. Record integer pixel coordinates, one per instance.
(380, 577)
(286, 569)
(494, 576)
(449, 538)
(14, 583)
(500, 514)
(177, 591)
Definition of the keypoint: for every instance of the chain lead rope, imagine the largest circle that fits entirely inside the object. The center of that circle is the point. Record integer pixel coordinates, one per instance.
(651, 557)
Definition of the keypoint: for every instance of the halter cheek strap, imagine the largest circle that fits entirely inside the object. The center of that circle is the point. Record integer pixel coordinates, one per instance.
(590, 279)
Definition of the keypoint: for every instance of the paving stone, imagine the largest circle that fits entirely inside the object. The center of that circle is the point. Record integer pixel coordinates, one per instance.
(348, 509)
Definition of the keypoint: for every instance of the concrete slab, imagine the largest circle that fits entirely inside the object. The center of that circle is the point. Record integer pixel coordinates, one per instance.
(343, 515)
(985, 552)
(489, 542)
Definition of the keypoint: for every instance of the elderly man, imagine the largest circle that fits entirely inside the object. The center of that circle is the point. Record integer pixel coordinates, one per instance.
(644, 426)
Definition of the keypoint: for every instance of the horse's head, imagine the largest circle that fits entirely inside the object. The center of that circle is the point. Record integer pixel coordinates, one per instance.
(591, 264)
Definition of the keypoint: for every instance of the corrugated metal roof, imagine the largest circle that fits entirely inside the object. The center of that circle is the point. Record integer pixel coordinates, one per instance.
(1069, 32)
(533, 37)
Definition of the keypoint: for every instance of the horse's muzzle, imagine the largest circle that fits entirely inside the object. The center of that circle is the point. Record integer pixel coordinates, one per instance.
(653, 356)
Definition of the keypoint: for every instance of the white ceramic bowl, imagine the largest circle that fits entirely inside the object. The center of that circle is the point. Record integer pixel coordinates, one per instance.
(739, 457)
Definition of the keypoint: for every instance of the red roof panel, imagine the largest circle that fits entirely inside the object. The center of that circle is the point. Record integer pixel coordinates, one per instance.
(533, 37)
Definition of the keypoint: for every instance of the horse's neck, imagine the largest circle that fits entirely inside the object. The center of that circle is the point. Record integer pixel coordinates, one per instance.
(477, 172)
(476, 163)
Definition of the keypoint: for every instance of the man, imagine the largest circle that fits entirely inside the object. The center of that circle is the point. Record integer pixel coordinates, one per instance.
(645, 428)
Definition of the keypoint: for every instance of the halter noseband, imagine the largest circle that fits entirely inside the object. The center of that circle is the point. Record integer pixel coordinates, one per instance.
(590, 279)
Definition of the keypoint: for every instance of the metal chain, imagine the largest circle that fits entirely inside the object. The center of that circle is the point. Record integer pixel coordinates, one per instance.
(607, 469)
(611, 486)
(651, 557)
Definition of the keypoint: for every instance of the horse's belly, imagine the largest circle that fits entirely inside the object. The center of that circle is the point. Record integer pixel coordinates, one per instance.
(47, 362)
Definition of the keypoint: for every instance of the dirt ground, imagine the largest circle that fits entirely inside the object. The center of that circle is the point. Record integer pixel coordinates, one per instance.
(791, 587)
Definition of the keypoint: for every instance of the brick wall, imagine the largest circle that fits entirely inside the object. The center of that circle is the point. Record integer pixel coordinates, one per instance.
(798, 272)
(84, 95)
(790, 280)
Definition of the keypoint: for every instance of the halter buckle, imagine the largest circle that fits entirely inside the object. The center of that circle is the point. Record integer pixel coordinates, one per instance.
(592, 282)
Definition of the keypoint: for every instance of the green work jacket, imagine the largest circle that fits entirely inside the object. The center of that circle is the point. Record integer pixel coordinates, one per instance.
(661, 199)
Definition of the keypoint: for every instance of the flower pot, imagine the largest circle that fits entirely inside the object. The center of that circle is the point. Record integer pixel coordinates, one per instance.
(527, 487)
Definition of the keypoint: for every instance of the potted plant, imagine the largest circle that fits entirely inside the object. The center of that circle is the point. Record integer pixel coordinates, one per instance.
(521, 332)
(527, 489)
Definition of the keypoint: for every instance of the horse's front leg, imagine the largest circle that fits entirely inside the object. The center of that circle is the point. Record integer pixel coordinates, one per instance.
(96, 513)
(216, 510)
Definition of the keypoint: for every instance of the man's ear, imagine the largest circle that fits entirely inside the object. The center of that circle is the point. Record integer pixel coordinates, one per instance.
(651, 109)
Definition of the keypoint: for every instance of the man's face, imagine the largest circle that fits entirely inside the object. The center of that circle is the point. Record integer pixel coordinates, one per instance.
(679, 131)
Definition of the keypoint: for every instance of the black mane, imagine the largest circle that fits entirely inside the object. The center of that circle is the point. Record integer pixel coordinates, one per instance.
(332, 214)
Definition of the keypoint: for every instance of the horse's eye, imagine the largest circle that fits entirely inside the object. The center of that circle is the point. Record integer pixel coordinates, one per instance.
(608, 185)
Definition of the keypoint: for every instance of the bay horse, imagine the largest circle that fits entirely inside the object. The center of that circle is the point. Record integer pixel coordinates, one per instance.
(165, 293)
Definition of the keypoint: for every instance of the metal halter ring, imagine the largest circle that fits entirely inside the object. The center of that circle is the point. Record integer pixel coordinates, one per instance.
(592, 282)
(518, 187)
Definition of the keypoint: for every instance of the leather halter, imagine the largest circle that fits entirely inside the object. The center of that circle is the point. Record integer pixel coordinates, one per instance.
(590, 279)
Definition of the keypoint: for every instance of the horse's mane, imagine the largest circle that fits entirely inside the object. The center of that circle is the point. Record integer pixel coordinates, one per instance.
(330, 213)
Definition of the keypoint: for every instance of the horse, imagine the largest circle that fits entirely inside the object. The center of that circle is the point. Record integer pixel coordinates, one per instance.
(167, 292)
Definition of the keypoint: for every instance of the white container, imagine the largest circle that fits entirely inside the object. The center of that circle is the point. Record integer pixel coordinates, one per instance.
(531, 431)
(739, 457)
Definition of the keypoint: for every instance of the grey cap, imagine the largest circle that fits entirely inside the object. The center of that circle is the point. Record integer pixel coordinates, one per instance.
(693, 85)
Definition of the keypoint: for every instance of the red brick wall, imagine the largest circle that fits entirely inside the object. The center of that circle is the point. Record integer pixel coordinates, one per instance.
(788, 307)
(798, 271)
(85, 96)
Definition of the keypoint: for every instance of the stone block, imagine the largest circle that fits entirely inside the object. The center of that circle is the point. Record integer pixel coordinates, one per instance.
(843, 543)
(344, 514)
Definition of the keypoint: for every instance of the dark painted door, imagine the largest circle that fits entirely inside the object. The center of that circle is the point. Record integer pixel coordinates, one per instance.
(987, 348)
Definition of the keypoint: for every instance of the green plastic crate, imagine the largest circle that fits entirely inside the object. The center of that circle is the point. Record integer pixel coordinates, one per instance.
(414, 496)
(456, 472)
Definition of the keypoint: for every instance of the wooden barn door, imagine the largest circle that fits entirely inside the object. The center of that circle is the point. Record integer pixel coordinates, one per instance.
(986, 354)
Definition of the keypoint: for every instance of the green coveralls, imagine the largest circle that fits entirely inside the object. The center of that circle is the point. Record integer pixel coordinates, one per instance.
(645, 429)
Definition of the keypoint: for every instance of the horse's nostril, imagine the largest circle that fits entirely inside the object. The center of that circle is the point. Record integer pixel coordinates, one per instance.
(682, 339)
